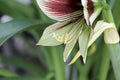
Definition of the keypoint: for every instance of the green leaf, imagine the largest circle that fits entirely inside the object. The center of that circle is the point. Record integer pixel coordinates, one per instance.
(104, 63)
(23, 64)
(8, 29)
(16, 9)
(111, 3)
(23, 78)
(114, 50)
(7, 73)
(116, 15)
(83, 42)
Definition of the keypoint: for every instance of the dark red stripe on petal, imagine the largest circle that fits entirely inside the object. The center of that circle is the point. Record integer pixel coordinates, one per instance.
(90, 7)
(62, 26)
(63, 6)
(72, 21)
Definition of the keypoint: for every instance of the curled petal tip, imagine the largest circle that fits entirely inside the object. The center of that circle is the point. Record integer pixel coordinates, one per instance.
(64, 60)
(111, 36)
(84, 60)
(37, 44)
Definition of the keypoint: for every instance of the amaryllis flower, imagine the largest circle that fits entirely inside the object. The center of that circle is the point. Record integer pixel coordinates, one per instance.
(75, 24)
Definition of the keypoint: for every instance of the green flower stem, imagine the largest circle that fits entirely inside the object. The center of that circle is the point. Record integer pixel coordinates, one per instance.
(82, 71)
(107, 15)
(58, 63)
(106, 12)
(114, 51)
(105, 62)
(47, 58)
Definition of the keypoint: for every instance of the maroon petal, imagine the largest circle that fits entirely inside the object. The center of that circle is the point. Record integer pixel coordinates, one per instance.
(90, 7)
(59, 9)
(62, 6)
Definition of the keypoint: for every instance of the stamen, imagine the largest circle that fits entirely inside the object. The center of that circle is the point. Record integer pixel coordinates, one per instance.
(66, 38)
(60, 38)
(63, 38)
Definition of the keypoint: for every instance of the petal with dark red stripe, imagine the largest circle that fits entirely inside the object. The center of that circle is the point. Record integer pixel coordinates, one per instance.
(92, 9)
(55, 34)
(61, 10)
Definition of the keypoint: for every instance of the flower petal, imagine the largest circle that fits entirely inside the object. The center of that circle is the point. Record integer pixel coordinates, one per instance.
(52, 33)
(102, 26)
(83, 42)
(94, 15)
(92, 9)
(72, 39)
(61, 10)
(78, 54)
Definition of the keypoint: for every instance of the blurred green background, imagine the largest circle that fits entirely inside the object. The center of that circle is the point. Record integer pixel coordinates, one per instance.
(21, 26)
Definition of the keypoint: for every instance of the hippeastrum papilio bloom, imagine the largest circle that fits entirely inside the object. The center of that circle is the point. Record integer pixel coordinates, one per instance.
(77, 21)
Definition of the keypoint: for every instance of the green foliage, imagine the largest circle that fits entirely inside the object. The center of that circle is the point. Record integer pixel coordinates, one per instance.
(46, 63)
(9, 29)
(19, 10)
(6, 73)
(116, 12)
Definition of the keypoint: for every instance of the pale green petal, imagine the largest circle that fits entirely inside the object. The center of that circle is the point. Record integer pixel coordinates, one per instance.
(78, 54)
(84, 3)
(111, 36)
(95, 14)
(51, 33)
(86, 16)
(83, 42)
(72, 39)
(100, 27)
